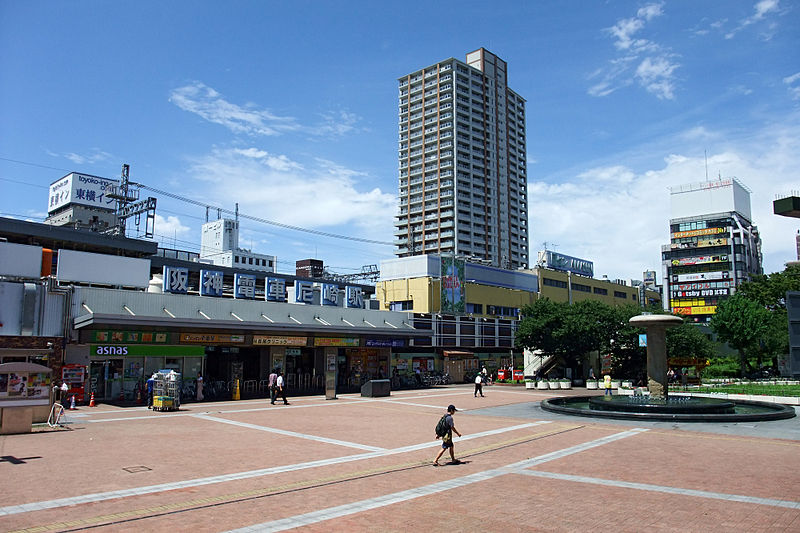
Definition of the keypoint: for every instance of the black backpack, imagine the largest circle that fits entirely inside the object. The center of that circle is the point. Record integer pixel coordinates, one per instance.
(442, 428)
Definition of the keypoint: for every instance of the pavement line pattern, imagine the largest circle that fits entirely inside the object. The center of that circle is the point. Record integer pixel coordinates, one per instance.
(291, 433)
(661, 488)
(131, 514)
(150, 489)
(410, 494)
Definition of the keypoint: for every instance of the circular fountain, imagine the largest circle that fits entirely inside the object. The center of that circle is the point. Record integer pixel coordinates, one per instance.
(659, 405)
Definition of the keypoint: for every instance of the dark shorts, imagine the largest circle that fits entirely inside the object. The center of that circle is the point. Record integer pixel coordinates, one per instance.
(447, 443)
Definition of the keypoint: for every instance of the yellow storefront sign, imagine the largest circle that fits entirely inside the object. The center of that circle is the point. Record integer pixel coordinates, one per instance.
(697, 232)
(211, 338)
(277, 340)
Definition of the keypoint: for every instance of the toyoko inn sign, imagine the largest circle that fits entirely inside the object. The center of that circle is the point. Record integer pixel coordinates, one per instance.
(80, 189)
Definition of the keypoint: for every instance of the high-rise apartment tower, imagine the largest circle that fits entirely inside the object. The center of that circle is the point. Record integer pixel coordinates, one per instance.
(462, 171)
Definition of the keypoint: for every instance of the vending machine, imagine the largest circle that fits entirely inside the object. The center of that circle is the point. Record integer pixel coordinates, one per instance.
(75, 378)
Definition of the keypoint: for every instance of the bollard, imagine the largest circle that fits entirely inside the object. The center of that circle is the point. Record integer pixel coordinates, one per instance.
(236, 395)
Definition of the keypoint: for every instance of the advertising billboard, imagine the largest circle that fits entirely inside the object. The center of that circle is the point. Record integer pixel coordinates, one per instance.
(80, 189)
(566, 263)
(452, 289)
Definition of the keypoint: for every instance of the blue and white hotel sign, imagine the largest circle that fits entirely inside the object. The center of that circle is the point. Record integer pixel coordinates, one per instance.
(244, 286)
(355, 298)
(275, 290)
(304, 292)
(211, 283)
(330, 294)
(176, 279)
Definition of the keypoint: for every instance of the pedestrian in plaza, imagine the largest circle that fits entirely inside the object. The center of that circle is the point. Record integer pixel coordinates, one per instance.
(447, 440)
(607, 384)
(478, 384)
(272, 385)
(279, 383)
(64, 391)
(200, 387)
(150, 384)
(591, 373)
(684, 377)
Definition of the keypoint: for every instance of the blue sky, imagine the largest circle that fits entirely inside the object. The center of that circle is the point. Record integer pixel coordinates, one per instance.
(290, 109)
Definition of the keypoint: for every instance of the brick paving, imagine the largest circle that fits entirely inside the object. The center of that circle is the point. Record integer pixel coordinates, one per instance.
(357, 464)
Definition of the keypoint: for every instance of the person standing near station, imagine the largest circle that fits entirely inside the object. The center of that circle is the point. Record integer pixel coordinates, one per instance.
(199, 387)
(607, 384)
(272, 386)
(150, 384)
(478, 384)
(279, 383)
(447, 440)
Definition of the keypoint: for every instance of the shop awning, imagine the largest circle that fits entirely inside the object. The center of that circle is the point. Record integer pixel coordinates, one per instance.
(455, 353)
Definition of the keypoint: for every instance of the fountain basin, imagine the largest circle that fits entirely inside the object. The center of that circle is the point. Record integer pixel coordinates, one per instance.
(685, 409)
(672, 405)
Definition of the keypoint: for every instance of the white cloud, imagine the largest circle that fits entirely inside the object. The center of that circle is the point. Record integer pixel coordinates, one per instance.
(762, 9)
(208, 104)
(656, 74)
(170, 228)
(618, 216)
(655, 65)
(794, 90)
(249, 119)
(317, 195)
(94, 155)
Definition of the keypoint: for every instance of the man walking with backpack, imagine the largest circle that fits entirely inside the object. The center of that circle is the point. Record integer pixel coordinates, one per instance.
(444, 431)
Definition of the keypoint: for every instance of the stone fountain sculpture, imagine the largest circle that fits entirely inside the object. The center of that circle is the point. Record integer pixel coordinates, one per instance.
(656, 327)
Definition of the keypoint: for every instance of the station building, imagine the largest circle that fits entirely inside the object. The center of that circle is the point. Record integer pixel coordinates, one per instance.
(123, 308)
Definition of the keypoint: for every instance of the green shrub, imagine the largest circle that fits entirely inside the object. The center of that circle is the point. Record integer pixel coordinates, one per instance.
(722, 367)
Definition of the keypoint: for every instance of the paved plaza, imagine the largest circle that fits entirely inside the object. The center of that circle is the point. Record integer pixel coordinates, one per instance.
(364, 464)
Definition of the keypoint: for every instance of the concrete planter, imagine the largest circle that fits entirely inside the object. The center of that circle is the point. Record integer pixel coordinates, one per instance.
(615, 383)
(565, 384)
(530, 384)
(554, 384)
(591, 385)
(627, 384)
(541, 385)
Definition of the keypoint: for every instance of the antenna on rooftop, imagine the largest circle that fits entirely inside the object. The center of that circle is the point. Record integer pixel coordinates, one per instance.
(706, 154)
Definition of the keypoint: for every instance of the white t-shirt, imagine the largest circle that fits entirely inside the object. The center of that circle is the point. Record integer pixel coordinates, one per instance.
(478, 379)
(279, 382)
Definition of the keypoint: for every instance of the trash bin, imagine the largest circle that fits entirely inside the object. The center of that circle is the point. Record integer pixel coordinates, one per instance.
(375, 388)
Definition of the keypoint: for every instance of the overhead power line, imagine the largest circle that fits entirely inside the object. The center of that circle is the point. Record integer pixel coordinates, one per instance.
(263, 220)
(220, 209)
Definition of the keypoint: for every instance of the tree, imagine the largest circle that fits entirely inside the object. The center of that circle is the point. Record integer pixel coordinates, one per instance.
(688, 340)
(745, 325)
(770, 290)
(541, 327)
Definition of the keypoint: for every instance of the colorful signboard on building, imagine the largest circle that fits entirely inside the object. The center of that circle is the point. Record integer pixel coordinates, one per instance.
(452, 286)
(277, 340)
(697, 232)
(129, 337)
(566, 263)
(81, 189)
(211, 282)
(211, 338)
(685, 261)
(335, 341)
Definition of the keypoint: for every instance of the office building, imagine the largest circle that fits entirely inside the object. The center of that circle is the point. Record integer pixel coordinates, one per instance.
(219, 246)
(714, 246)
(462, 163)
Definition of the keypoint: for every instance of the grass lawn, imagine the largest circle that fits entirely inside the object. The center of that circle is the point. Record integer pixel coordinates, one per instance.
(764, 390)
